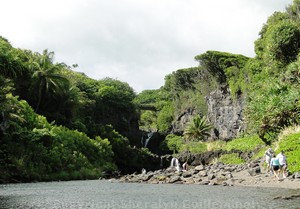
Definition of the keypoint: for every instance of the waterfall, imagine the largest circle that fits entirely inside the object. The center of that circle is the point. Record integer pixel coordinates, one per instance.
(145, 142)
(144, 171)
(175, 163)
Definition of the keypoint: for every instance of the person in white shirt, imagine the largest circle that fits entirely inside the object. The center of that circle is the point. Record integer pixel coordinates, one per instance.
(283, 164)
(269, 153)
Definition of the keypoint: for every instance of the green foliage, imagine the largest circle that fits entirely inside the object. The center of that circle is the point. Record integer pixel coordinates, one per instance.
(148, 121)
(262, 45)
(215, 145)
(113, 105)
(279, 38)
(11, 65)
(244, 144)
(147, 97)
(293, 10)
(273, 106)
(46, 79)
(154, 104)
(116, 140)
(174, 142)
(8, 105)
(232, 159)
(194, 147)
(259, 154)
(226, 68)
(33, 149)
(216, 63)
(66, 97)
(72, 144)
(165, 118)
(198, 84)
(181, 80)
(115, 92)
(290, 144)
(292, 74)
(274, 92)
(193, 101)
(285, 41)
(190, 85)
(198, 129)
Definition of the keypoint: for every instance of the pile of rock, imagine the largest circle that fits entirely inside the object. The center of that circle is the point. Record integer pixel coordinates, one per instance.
(217, 174)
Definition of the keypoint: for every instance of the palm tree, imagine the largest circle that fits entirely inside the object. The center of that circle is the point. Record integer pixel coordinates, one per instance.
(47, 79)
(198, 129)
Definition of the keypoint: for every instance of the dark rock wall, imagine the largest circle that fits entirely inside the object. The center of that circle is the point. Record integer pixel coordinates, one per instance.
(182, 120)
(225, 113)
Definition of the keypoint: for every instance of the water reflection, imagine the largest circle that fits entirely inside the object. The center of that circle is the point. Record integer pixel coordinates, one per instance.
(103, 194)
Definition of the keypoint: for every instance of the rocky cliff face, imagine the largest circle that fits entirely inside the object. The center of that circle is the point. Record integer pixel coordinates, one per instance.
(182, 120)
(224, 113)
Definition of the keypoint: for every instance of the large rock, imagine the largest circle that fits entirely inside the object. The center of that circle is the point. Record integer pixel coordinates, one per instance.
(297, 175)
(205, 158)
(182, 120)
(200, 168)
(174, 179)
(254, 171)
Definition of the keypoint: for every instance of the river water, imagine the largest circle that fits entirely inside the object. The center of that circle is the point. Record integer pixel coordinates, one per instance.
(98, 194)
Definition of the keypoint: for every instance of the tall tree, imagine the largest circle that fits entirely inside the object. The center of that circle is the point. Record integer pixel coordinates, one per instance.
(47, 79)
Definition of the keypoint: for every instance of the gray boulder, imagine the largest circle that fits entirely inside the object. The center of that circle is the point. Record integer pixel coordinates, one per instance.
(297, 175)
(254, 171)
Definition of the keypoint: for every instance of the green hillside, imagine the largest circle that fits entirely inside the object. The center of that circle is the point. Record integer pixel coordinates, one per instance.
(58, 124)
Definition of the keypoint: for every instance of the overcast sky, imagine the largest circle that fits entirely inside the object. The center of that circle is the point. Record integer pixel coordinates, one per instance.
(135, 41)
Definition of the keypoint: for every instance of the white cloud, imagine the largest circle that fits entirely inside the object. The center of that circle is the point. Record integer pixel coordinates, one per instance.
(135, 41)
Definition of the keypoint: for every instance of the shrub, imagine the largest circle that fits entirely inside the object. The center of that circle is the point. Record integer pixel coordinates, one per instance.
(73, 151)
(259, 154)
(198, 129)
(290, 144)
(215, 145)
(244, 144)
(194, 147)
(165, 118)
(231, 159)
(174, 142)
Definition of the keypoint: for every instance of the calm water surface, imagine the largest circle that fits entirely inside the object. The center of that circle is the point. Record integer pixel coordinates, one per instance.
(104, 194)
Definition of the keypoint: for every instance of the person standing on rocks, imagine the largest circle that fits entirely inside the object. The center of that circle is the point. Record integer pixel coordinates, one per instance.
(275, 166)
(282, 164)
(269, 153)
(185, 166)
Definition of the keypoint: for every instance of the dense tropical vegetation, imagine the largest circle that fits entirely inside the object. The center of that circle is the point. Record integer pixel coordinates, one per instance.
(58, 124)
(269, 82)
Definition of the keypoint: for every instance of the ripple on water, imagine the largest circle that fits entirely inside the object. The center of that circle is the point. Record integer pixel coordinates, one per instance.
(103, 194)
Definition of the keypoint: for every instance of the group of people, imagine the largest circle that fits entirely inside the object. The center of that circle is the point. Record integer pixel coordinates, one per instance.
(277, 164)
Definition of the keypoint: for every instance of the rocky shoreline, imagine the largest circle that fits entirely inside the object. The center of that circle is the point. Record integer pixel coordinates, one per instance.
(251, 174)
